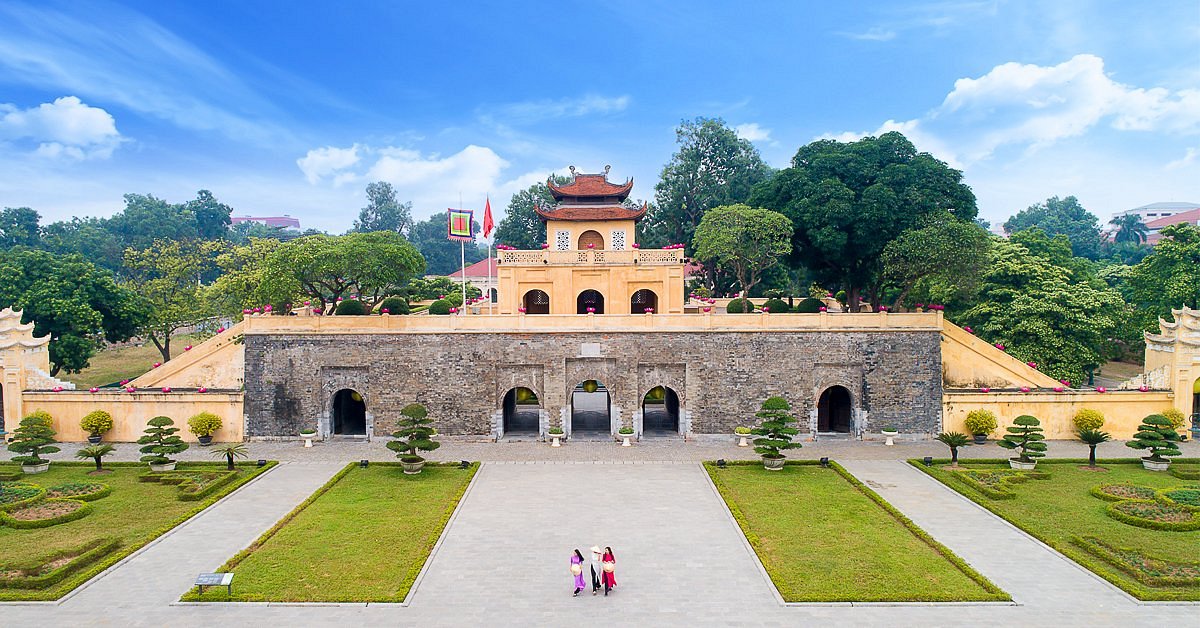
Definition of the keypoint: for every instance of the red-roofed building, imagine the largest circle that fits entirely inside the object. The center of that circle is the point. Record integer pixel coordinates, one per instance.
(1155, 227)
(278, 222)
(482, 275)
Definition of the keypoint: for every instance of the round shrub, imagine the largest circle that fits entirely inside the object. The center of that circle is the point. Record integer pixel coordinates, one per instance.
(840, 296)
(204, 424)
(96, 422)
(739, 306)
(454, 299)
(776, 306)
(980, 421)
(1175, 416)
(809, 306)
(394, 305)
(351, 307)
(441, 307)
(1088, 419)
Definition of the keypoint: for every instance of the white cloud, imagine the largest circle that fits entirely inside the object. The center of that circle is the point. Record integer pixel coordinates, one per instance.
(1189, 157)
(327, 161)
(875, 33)
(753, 132)
(540, 110)
(64, 128)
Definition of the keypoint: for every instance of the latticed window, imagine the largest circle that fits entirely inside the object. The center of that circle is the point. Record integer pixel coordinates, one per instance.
(562, 240)
(618, 239)
(642, 300)
(537, 302)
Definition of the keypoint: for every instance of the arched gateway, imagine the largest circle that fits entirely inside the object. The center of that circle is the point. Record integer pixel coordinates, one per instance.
(834, 410)
(660, 412)
(522, 410)
(591, 408)
(349, 413)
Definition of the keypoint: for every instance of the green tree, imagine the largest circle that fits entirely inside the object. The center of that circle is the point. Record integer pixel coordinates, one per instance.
(147, 219)
(521, 227)
(1093, 438)
(89, 237)
(243, 283)
(442, 255)
(415, 434)
(948, 248)
(847, 201)
(72, 301)
(1156, 433)
(955, 441)
(1026, 438)
(19, 227)
(1169, 277)
(323, 268)
(97, 454)
(167, 275)
(210, 215)
(243, 232)
(745, 240)
(160, 440)
(383, 211)
(1062, 216)
(1129, 228)
(774, 431)
(712, 167)
(33, 437)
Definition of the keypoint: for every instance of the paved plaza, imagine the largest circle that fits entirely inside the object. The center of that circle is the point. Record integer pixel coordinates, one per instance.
(681, 558)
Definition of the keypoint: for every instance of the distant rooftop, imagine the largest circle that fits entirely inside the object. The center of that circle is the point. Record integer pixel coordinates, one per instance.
(282, 222)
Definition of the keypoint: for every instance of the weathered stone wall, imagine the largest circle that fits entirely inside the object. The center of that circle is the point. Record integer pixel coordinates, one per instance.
(894, 377)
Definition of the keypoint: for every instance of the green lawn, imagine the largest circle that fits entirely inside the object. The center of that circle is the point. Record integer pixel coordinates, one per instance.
(1061, 512)
(363, 537)
(824, 537)
(113, 365)
(134, 514)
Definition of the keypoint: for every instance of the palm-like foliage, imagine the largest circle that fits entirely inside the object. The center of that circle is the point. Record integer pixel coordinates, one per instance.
(230, 451)
(95, 452)
(1093, 437)
(1130, 228)
(954, 440)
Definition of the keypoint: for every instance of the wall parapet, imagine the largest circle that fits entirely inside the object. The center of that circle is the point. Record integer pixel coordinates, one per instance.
(1123, 410)
(131, 411)
(590, 257)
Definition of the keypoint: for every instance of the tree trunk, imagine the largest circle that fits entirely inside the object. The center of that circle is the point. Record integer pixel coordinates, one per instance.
(852, 299)
(164, 346)
(229, 462)
(954, 456)
(98, 467)
(1091, 455)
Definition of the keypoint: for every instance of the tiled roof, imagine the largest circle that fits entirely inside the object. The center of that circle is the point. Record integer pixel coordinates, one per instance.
(1162, 223)
(478, 269)
(590, 185)
(592, 212)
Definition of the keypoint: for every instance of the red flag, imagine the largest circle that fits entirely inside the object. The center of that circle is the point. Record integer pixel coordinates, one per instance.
(488, 225)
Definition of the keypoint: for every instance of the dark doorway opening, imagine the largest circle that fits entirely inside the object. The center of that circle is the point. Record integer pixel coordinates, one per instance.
(493, 296)
(522, 409)
(591, 408)
(536, 302)
(833, 410)
(660, 412)
(349, 413)
(589, 299)
(642, 301)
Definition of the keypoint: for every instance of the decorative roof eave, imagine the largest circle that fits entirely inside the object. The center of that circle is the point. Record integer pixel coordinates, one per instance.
(590, 186)
(591, 213)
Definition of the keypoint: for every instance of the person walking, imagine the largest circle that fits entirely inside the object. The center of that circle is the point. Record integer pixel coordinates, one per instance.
(610, 567)
(597, 568)
(577, 573)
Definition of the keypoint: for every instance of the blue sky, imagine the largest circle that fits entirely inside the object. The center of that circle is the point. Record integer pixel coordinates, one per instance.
(293, 107)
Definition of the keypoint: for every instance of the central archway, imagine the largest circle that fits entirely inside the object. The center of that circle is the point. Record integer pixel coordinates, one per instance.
(536, 302)
(522, 410)
(643, 300)
(589, 298)
(834, 410)
(660, 412)
(591, 237)
(349, 413)
(591, 408)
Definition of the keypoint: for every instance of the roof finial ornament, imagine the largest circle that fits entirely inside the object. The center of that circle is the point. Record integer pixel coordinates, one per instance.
(606, 169)
(572, 169)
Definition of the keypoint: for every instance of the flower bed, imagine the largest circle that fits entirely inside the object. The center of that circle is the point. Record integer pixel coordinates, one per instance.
(86, 491)
(1154, 515)
(1145, 569)
(1184, 497)
(14, 495)
(45, 513)
(1120, 492)
(997, 484)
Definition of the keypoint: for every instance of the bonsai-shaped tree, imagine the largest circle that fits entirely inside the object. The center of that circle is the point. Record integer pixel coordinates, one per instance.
(775, 435)
(230, 451)
(160, 441)
(1093, 437)
(415, 434)
(96, 453)
(1155, 433)
(1025, 436)
(96, 423)
(33, 437)
(954, 440)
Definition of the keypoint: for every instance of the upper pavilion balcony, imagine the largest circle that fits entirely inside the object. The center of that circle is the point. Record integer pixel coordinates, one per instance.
(591, 257)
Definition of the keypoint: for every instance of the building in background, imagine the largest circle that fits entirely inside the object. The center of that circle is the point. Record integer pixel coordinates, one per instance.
(277, 222)
(482, 275)
(1155, 226)
(1156, 211)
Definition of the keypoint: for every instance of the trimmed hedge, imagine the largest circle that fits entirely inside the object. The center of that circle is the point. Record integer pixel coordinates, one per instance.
(84, 556)
(1114, 556)
(1101, 493)
(809, 305)
(1185, 472)
(351, 307)
(189, 489)
(1114, 511)
(394, 306)
(39, 494)
(776, 306)
(100, 493)
(739, 306)
(21, 524)
(441, 307)
(1009, 477)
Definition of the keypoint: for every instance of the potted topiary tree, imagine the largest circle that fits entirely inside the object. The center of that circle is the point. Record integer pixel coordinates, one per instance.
(34, 437)
(774, 433)
(742, 433)
(229, 451)
(204, 425)
(415, 434)
(96, 453)
(160, 442)
(308, 434)
(556, 435)
(980, 423)
(1024, 436)
(96, 423)
(625, 433)
(954, 440)
(1158, 435)
(1092, 437)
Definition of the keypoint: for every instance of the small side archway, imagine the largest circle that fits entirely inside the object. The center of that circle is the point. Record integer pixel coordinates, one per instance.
(660, 412)
(835, 410)
(643, 300)
(591, 408)
(536, 302)
(591, 237)
(349, 413)
(589, 299)
(522, 411)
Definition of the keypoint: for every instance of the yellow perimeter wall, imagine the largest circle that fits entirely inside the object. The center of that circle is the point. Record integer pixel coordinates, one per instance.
(1123, 411)
(131, 411)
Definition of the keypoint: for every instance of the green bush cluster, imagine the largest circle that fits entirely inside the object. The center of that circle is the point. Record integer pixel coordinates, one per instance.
(204, 424)
(980, 422)
(394, 306)
(1088, 419)
(809, 306)
(739, 306)
(776, 306)
(96, 422)
(34, 437)
(441, 307)
(351, 307)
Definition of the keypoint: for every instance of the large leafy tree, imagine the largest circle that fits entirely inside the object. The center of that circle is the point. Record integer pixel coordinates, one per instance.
(443, 255)
(72, 300)
(19, 227)
(1169, 277)
(947, 248)
(243, 282)
(847, 201)
(210, 215)
(711, 168)
(167, 274)
(90, 237)
(521, 227)
(324, 268)
(1062, 216)
(384, 212)
(744, 240)
(1043, 314)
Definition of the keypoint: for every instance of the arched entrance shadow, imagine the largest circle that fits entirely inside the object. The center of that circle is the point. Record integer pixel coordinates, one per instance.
(349, 413)
(589, 298)
(591, 409)
(642, 300)
(834, 410)
(522, 411)
(591, 237)
(536, 302)
(660, 412)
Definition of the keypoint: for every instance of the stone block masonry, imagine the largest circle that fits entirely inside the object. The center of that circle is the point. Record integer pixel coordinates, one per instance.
(894, 377)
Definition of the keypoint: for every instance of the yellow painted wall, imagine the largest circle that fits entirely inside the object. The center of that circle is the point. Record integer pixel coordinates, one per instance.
(971, 362)
(131, 411)
(617, 283)
(603, 227)
(219, 363)
(1123, 410)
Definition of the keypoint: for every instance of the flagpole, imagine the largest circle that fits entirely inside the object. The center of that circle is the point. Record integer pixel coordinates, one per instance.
(462, 252)
(489, 264)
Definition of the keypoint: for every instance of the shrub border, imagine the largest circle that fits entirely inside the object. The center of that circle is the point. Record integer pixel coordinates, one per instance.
(1164, 526)
(1190, 473)
(1161, 495)
(1098, 492)
(88, 553)
(1133, 588)
(193, 595)
(182, 483)
(87, 497)
(993, 593)
(22, 524)
(1108, 553)
(21, 503)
